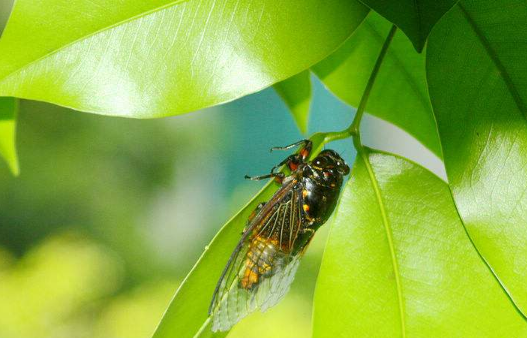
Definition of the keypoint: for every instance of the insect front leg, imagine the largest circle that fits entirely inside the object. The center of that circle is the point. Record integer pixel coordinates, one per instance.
(296, 144)
(278, 176)
(305, 150)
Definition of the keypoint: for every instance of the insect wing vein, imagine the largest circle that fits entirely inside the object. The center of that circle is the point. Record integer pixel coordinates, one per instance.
(258, 276)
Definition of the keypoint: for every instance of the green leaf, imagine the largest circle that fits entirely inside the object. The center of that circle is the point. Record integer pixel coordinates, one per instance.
(399, 95)
(187, 315)
(188, 311)
(296, 93)
(156, 58)
(398, 262)
(8, 112)
(415, 18)
(478, 86)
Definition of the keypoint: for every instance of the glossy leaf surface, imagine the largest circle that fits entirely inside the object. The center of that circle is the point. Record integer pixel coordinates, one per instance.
(399, 95)
(477, 77)
(296, 93)
(398, 263)
(8, 112)
(157, 58)
(415, 18)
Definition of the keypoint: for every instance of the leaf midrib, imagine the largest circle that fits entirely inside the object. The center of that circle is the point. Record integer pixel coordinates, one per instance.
(484, 260)
(202, 328)
(389, 235)
(119, 23)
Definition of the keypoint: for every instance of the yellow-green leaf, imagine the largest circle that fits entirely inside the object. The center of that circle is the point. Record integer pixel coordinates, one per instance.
(156, 58)
(477, 77)
(187, 314)
(398, 263)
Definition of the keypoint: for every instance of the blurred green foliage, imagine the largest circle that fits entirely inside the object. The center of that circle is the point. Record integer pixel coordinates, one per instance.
(91, 173)
(59, 289)
(109, 214)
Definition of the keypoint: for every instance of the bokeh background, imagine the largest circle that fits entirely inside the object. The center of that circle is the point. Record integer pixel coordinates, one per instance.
(109, 214)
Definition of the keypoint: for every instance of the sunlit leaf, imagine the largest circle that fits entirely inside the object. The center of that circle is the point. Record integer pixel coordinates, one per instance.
(296, 93)
(477, 78)
(415, 18)
(399, 95)
(398, 263)
(8, 112)
(163, 57)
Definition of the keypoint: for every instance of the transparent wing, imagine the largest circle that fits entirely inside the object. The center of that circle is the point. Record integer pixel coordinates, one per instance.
(239, 302)
(265, 255)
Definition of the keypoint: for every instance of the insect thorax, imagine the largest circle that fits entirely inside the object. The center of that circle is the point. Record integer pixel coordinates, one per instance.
(320, 194)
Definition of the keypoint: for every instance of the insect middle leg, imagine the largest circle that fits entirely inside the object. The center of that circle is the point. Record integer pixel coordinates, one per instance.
(278, 176)
(305, 236)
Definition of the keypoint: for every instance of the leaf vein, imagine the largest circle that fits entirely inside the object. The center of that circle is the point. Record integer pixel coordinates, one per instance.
(389, 235)
(87, 36)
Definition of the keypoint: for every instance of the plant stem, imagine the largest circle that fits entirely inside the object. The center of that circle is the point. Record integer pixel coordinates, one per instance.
(354, 128)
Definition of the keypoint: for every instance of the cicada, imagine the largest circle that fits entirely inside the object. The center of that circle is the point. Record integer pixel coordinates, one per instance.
(262, 266)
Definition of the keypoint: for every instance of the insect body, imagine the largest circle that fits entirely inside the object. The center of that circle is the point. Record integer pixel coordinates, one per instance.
(263, 264)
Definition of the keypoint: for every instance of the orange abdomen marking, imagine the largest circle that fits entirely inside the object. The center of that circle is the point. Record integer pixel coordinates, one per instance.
(259, 262)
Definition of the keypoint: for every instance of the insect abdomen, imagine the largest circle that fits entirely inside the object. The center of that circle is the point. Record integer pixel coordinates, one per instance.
(261, 261)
